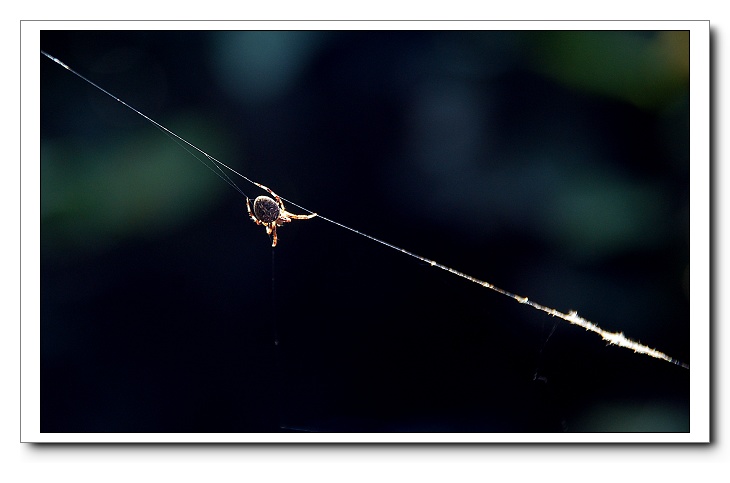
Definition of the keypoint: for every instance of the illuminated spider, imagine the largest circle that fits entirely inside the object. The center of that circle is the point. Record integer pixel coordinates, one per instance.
(271, 213)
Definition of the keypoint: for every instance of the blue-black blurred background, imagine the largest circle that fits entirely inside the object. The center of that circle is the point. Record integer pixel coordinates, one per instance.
(552, 164)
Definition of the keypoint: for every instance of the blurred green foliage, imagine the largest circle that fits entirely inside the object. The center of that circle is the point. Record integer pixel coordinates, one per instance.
(646, 69)
(96, 194)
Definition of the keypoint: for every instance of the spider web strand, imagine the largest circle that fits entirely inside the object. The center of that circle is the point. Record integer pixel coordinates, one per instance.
(613, 338)
(178, 139)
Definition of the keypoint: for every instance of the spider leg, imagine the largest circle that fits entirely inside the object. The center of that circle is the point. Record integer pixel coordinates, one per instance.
(276, 197)
(281, 205)
(299, 217)
(273, 232)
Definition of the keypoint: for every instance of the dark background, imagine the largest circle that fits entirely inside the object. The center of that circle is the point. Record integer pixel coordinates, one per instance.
(552, 164)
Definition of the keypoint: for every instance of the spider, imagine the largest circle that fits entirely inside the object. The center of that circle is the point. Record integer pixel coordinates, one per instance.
(271, 213)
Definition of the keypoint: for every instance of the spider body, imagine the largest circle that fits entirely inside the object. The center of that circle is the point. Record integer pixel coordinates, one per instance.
(265, 209)
(271, 213)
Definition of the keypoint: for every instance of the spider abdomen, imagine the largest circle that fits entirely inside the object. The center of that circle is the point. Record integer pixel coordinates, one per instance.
(266, 209)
